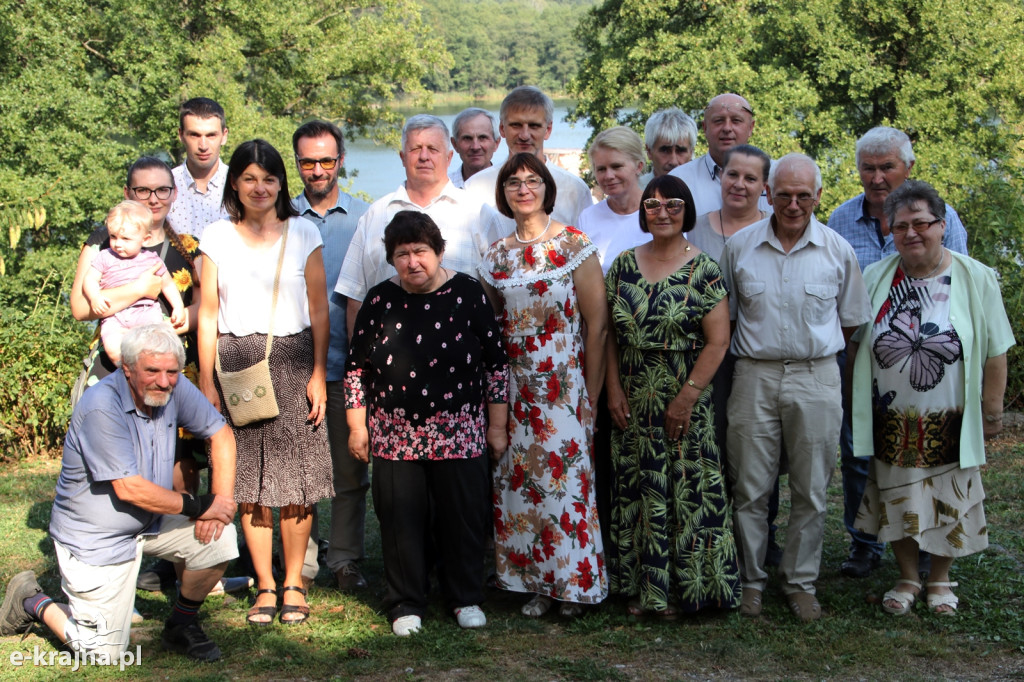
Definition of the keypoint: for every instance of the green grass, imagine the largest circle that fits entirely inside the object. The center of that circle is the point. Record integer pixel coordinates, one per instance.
(348, 638)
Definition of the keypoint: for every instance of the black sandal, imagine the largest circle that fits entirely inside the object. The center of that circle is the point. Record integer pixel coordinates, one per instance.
(262, 610)
(288, 609)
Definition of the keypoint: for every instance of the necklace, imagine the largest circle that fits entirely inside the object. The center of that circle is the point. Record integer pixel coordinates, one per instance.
(721, 223)
(673, 256)
(535, 239)
(942, 257)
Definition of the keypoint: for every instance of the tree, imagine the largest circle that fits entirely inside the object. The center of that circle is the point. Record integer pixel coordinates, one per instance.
(86, 86)
(820, 73)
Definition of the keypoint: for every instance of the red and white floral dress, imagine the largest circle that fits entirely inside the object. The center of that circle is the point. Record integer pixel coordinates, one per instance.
(547, 537)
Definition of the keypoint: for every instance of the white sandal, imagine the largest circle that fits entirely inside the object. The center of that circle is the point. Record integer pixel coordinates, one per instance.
(904, 599)
(937, 600)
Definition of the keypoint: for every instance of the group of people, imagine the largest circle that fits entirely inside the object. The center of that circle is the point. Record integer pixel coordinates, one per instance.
(610, 391)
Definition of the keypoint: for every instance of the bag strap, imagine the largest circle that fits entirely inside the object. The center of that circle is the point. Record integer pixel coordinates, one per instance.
(273, 300)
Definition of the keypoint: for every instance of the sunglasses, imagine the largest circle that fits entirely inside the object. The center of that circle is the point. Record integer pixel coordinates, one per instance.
(310, 164)
(672, 206)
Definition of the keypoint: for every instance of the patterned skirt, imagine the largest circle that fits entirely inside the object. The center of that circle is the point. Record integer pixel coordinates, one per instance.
(285, 460)
(940, 507)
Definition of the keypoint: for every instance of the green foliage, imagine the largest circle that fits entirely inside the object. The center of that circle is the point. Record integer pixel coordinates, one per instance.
(87, 86)
(42, 348)
(819, 73)
(500, 45)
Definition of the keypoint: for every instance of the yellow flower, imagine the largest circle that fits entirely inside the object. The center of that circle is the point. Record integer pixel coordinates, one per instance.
(191, 372)
(188, 242)
(182, 279)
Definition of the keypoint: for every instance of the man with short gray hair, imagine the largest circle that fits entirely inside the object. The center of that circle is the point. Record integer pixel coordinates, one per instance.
(526, 120)
(669, 138)
(475, 137)
(467, 225)
(114, 502)
(797, 296)
(884, 159)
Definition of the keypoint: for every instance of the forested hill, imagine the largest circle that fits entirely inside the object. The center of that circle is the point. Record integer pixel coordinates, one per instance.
(497, 45)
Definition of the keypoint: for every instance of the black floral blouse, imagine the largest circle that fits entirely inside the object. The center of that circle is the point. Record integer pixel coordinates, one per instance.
(424, 365)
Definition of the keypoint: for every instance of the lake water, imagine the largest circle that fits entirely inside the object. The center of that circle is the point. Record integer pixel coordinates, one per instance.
(380, 169)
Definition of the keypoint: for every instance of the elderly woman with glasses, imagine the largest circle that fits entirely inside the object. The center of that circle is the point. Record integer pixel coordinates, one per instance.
(929, 373)
(674, 549)
(545, 281)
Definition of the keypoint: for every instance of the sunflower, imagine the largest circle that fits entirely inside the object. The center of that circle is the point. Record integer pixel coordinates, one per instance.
(188, 242)
(191, 372)
(182, 279)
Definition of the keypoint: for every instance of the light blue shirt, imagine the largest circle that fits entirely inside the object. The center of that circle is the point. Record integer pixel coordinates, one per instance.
(336, 230)
(110, 439)
(864, 232)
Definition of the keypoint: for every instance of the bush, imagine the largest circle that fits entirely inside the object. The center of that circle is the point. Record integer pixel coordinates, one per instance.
(42, 352)
(994, 216)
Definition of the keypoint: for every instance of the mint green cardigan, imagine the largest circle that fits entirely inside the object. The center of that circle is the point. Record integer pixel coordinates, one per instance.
(977, 314)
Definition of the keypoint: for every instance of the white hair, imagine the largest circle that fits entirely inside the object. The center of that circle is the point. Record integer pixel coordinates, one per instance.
(883, 140)
(794, 159)
(425, 122)
(671, 125)
(151, 339)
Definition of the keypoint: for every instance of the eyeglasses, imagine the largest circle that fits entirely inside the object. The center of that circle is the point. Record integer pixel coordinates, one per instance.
(672, 206)
(802, 200)
(143, 193)
(310, 164)
(918, 226)
(532, 182)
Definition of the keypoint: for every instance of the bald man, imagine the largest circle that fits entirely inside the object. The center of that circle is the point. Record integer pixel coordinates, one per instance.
(728, 121)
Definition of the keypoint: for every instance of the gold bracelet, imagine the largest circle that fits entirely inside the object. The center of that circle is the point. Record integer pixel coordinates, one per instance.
(690, 382)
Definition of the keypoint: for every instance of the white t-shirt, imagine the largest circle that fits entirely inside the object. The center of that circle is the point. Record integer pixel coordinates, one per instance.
(611, 233)
(245, 279)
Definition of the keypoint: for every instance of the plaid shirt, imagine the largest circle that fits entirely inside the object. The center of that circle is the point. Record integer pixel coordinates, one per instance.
(864, 233)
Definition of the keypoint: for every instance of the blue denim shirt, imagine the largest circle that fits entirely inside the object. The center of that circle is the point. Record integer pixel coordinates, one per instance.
(336, 229)
(864, 232)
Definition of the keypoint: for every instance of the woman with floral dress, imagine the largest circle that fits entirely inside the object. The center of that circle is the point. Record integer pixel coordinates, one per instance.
(670, 516)
(545, 282)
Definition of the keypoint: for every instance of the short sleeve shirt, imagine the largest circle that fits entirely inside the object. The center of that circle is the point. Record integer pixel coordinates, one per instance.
(110, 439)
(193, 210)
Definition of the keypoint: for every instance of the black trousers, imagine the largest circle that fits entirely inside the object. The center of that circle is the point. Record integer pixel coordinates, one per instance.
(419, 500)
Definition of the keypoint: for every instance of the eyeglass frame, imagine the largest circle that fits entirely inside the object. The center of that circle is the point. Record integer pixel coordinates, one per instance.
(671, 208)
(514, 184)
(918, 227)
(312, 163)
(802, 200)
(149, 191)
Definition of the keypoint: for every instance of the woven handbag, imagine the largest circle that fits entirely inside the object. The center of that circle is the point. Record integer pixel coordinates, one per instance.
(249, 393)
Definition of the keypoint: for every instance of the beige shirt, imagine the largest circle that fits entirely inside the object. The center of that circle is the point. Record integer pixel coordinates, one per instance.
(792, 306)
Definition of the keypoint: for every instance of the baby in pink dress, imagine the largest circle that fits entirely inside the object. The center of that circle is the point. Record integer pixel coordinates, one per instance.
(123, 263)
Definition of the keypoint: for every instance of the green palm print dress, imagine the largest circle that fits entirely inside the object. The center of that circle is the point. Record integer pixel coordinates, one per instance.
(670, 518)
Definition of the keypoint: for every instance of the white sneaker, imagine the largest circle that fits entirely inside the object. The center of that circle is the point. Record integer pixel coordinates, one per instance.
(406, 625)
(470, 617)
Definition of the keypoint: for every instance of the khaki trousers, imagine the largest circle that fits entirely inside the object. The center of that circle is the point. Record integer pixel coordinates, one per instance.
(796, 404)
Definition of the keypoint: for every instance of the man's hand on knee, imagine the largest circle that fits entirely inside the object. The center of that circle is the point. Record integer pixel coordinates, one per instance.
(208, 531)
(221, 509)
